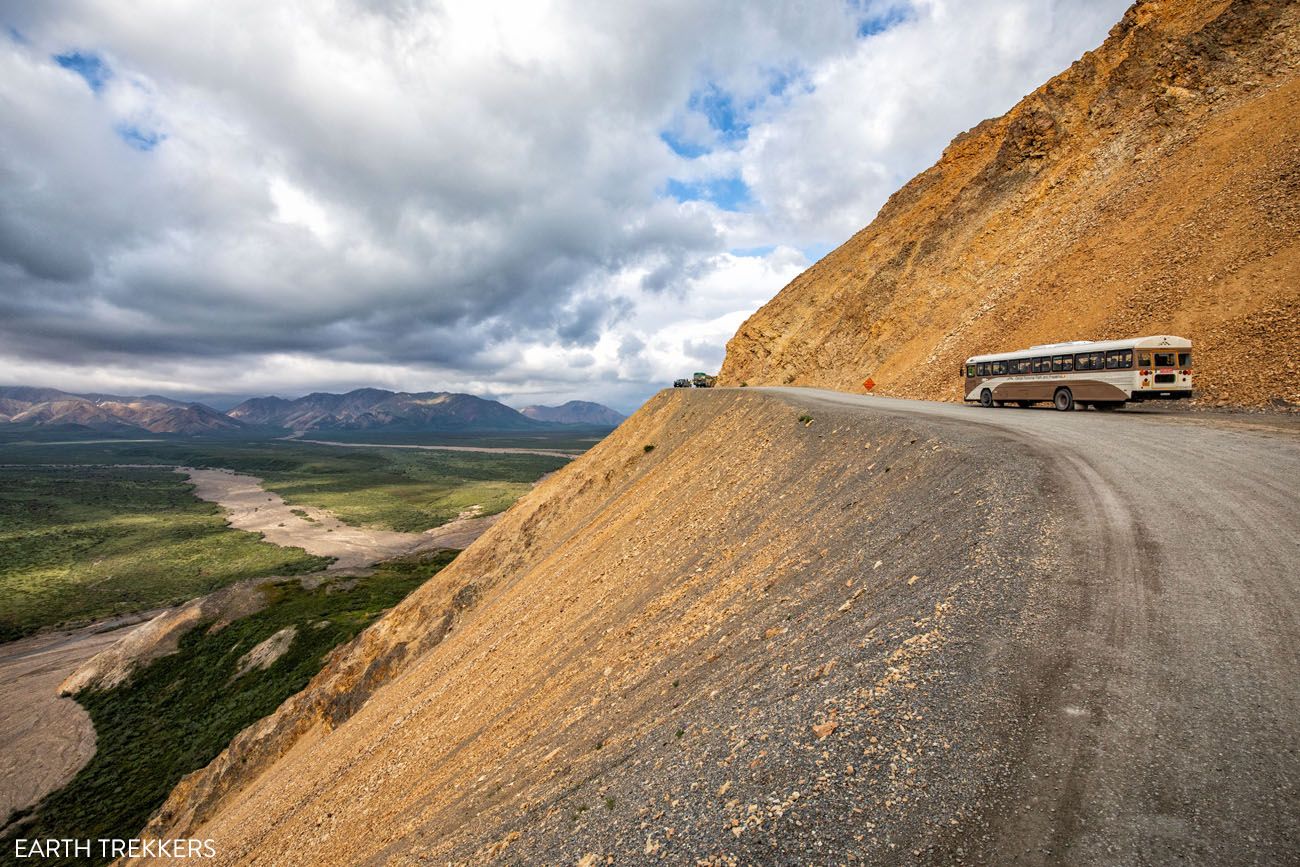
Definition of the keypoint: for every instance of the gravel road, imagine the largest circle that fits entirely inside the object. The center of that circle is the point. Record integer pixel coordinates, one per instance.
(1164, 698)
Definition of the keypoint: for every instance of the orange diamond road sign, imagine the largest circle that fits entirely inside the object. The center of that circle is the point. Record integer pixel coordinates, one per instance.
(868, 383)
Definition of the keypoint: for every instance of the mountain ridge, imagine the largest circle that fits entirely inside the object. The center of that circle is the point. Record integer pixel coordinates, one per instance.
(47, 407)
(360, 409)
(374, 408)
(583, 412)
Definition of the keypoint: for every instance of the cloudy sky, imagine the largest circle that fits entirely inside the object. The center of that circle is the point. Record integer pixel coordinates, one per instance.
(533, 201)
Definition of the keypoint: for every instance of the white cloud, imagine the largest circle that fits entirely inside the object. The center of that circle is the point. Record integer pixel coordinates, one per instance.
(281, 196)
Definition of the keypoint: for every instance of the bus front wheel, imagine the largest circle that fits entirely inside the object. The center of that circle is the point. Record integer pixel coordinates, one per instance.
(986, 398)
(1063, 400)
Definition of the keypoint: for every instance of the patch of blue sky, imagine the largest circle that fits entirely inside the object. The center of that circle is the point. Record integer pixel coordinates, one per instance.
(887, 18)
(682, 147)
(90, 66)
(140, 139)
(785, 80)
(723, 114)
(753, 252)
(729, 117)
(815, 252)
(728, 193)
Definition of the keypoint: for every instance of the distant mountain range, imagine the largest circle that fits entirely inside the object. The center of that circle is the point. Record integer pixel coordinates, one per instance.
(109, 413)
(576, 412)
(362, 409)
(374, 408)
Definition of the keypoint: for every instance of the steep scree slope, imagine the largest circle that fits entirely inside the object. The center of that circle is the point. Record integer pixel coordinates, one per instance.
(763, 638)
(1153, 187)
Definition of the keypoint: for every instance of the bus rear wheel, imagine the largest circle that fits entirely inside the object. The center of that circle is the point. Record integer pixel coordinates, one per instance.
(1063, 400)
(986, 398)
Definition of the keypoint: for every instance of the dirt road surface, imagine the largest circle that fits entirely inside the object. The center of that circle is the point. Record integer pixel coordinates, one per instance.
(1165, 705)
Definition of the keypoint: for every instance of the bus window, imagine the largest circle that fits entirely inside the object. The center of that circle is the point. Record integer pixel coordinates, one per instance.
(1023, 365)
(999, 368)
(1144, 359)
(970, 370)
(1126, 359)
(1081, 361)
(982, 368)
(1042, 365)
(1164, 359)
(1063, 363)
(1184, 359)
(1098, 360)
(1112, 359)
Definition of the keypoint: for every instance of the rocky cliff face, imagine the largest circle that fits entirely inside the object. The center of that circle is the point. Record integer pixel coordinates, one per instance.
(1153, 187)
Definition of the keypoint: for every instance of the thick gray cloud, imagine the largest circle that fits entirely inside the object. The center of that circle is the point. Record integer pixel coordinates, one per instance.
(539, 201)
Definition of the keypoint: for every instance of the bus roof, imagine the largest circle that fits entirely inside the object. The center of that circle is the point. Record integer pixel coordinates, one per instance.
(1156, 341)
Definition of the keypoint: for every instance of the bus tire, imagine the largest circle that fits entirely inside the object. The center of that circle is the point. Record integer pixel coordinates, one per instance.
(986, 398)
(1063, 399)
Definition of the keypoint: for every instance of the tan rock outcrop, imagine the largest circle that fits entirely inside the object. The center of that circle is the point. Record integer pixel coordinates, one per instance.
(161, 635)
(264, 654)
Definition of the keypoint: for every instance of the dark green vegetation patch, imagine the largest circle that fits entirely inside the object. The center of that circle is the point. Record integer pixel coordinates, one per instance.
(177, 715)
(79, 544)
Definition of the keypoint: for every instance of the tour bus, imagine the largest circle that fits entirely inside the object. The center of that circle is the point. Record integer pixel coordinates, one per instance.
(1103, 374)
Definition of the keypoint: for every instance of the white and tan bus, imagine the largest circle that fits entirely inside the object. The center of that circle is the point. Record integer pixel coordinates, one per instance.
(1102, 374)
